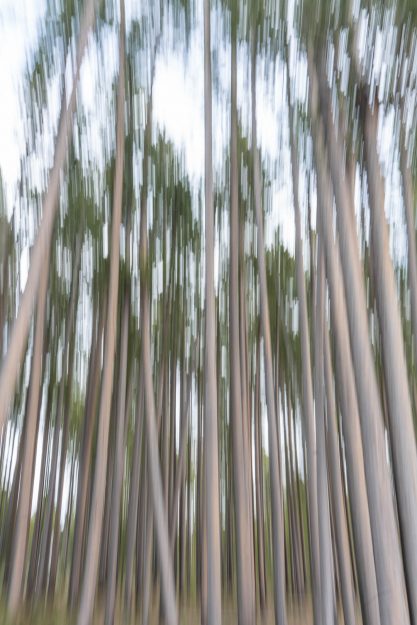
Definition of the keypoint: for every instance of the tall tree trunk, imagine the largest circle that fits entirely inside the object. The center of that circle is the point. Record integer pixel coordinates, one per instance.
(326, 556)
(132, 514)
(259, 482)
(275, 482)
(245, 575)
(307, 396)
(336, 488)
(387, 552)
(400, 413)
(118, 465)
(11, 365)
(159, 508)
(96, 517)
(356, 462)
(211, 454)
(20, 534)
(80, 527)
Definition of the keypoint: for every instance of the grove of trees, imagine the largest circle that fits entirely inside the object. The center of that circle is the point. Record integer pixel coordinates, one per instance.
(203, 418)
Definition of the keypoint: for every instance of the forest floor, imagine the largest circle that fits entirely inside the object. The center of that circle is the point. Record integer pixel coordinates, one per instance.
(299, 613)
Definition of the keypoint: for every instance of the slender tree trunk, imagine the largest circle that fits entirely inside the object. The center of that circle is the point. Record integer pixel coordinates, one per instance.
(90, 411)
(211, 454)
(387, 552)
(96, 517)
(11, 364)
(307, 396)
(356, 463)
(275, 482)
(259, 483)
(118, 467)
(245, 577)
(20, 533)
(336, 487)
(400, 413)
(134, 495)
(326, 556)
(159, 508)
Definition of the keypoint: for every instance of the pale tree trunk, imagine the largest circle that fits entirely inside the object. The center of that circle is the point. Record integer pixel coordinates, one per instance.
(15, 352)
(336, 487)
(90, 411)
(20, 534)
(275, 481)
(97, 506)
(307, 395)
(118, 466)
(67, 360)
(211, 454)
(381, 511)
(259, 482)
(132, 514)
(355, 464)
(160, 520)
(326, 556)
(387, 551)
(400, 413)
(245, 576)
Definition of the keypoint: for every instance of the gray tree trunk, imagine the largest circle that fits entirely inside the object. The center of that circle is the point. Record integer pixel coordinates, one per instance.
(20, 533)
(97, 506)
(275, 481)
(400, 413)
(15, 352)
(355, 463)
(211, 454)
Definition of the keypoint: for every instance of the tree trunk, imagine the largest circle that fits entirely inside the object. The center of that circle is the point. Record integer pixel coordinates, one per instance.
(345, 373)
(20, 533)
(400, 413)
(118, 465)
(96, 517)
(336, 488)
(245, 577)
(275, 482)
(307, 395)
(387, 552)
(11, 364)
(211, 454)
